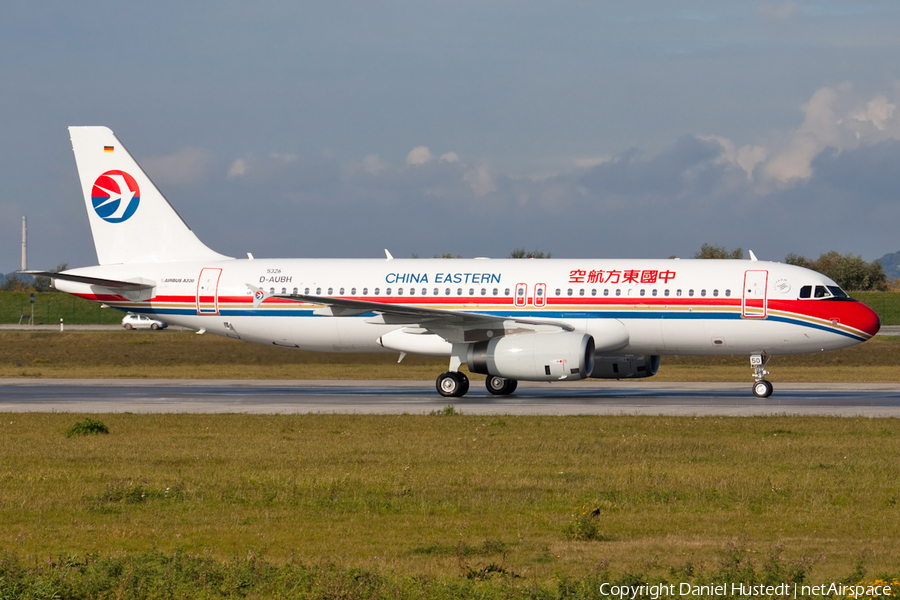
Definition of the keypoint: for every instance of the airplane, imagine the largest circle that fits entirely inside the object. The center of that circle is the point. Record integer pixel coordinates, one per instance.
(509, 319)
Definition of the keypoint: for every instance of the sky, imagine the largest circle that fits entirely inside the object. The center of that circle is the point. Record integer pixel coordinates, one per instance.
(584, 129)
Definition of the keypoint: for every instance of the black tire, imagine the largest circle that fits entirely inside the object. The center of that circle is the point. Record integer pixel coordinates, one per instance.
(452, 384)
(128, 326)
(500, 386)
(762, 389)
(154, 326)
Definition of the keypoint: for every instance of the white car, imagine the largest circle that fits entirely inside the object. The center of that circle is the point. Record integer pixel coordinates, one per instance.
(133, 321)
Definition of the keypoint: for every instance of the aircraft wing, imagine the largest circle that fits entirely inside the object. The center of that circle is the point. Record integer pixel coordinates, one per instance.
(113, 284)
(453, 326)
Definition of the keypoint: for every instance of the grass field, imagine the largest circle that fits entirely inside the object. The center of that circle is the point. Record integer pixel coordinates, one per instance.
(441, 497)
(50, 307)
(173, 354)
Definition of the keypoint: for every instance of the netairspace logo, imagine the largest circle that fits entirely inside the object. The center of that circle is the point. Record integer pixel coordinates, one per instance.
(742, 590)
(115, 196)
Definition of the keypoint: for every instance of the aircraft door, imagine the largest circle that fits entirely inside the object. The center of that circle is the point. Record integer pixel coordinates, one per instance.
(754, 300)
(521, 294)
(208, 291)
(540, 295)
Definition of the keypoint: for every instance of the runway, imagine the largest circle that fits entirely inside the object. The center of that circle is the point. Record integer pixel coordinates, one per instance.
(419, 397)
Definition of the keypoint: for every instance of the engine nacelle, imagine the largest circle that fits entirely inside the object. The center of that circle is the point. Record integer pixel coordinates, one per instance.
(563, 355)
(625, 367)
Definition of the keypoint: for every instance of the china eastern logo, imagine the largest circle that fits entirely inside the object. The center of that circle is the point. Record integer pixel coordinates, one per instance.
(115, 196)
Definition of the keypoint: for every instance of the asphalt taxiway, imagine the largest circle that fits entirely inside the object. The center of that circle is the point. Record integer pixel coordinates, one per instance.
(420, 397)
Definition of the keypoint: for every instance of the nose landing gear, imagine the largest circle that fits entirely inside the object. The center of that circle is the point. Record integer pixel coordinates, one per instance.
(761, 387)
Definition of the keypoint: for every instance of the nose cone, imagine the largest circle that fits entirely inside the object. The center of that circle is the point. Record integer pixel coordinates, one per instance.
(864, 319)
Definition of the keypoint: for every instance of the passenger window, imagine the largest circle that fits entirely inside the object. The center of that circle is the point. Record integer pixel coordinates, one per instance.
(330, 291)
(483, 292)
(618, 292)
(606, 292)
(520, 292)
(271, 290)
(352, 291)
(715, 293)
(703, 292)
(471, 291)
(365, 291)
(318, 291)
(496, 291)
(806, 291)
(459, 291)
(506, 292)
(581, 292)
(666, 293)
(447, 292)
(569, 293)
(399, 291)
(655, 291)
(306, 291)
(690, 292)
(558, 291)
(727, 292)
(387, 292)
(594, 292)
(295, 291)
(377, 291)
(643, 291)
(678, 292)
(342, 291)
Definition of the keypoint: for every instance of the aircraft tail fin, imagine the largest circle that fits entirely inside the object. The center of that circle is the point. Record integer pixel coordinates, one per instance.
(131, 221)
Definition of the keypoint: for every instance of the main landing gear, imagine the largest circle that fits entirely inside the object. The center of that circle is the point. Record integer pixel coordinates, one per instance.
(454, 384)
(761, 387)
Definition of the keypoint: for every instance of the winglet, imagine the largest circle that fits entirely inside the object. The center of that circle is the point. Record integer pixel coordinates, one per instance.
(388, 255)
(259, 295)
(752, 256)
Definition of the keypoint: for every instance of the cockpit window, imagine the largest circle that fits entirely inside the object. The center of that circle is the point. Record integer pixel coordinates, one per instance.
(837, 292)
(822, 292)
(806, 291)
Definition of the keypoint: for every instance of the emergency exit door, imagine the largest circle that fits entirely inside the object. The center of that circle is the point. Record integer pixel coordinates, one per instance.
(208, 291)
(753, 304)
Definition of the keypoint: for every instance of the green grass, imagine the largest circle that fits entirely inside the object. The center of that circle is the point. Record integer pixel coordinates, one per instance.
(432, 498)
(886, 304)
(50, 307)
(173, 354)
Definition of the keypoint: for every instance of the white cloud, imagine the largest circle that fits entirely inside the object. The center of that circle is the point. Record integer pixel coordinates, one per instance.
(878, 112)
(450, 157)
(778, 12)
(418, 155)
(480, 181)
(187, 167)
(591, 161)
(373, 165)
(830, 121)
(238, 168)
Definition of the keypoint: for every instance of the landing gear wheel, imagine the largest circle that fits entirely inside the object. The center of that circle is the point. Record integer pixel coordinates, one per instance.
(500, 386)
(452, 384)
(762, 389)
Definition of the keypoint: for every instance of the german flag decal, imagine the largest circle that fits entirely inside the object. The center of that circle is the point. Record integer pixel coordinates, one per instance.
(108, 148)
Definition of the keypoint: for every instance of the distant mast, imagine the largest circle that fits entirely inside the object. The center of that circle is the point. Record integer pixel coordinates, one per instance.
(24, 245)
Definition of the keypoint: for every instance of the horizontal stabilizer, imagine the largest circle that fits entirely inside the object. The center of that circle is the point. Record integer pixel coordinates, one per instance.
(113, 284)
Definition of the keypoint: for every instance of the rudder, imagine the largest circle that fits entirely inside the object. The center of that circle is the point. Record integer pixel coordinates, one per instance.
(131, 220)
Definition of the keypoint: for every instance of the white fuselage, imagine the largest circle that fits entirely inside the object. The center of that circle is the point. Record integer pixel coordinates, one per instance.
(721, 307)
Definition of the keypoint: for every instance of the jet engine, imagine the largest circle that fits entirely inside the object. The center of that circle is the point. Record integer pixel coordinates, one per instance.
(562, 355)
(625, 367)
